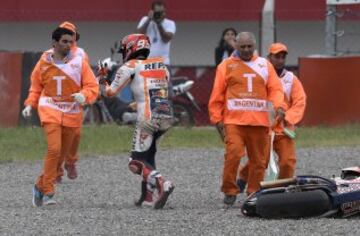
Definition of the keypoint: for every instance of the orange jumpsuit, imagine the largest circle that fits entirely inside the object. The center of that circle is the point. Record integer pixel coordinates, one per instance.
(284, 147)
(72, 157)
(239, 99)
(51, 87)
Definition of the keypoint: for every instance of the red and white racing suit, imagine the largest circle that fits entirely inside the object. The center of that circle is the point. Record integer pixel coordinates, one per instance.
(149, 84)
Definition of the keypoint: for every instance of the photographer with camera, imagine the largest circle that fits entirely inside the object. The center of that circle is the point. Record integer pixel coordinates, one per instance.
(159, 29)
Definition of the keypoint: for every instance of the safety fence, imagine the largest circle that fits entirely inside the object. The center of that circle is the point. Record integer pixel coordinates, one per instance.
(347, 30)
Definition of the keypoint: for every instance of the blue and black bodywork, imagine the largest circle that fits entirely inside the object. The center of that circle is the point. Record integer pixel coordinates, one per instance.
(306, 196)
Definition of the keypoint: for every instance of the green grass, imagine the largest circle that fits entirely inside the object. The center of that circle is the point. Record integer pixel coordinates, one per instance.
(348, 135)
(27, 143)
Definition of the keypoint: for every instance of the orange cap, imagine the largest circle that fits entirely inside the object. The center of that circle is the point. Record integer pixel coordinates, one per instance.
(277, 47)
(68, 25)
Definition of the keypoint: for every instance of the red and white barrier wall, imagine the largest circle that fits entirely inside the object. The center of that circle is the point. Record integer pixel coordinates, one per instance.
(333, 89)
(10, 87)
(332, 86)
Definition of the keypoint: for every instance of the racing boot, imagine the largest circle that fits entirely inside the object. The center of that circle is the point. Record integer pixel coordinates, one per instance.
(165, 188)
(149, 201)
(146, 196)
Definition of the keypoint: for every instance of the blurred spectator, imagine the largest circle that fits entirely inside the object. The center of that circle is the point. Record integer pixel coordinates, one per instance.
(226, 45)
(159, 29)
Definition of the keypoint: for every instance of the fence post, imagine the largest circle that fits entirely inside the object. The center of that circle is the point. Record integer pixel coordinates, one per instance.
(267, 26)
(330, 30)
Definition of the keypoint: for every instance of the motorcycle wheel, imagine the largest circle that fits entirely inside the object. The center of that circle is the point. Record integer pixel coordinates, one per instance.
(293, 204)
(182, 116)
(92, 115)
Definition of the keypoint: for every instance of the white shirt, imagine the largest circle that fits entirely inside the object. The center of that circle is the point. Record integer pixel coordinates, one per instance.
(158, 47)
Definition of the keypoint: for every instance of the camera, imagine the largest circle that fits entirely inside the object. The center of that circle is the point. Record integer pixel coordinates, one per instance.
(157, 15)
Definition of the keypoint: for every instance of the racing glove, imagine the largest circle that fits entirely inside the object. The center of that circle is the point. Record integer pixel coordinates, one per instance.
(78, 97)
(102, 73)
(101, 69)
(27, 111)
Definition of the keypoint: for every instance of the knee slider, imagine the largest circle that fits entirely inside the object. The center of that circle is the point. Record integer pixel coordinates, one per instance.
(136, 167)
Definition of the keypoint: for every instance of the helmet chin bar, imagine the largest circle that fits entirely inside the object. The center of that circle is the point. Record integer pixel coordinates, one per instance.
(141, 54)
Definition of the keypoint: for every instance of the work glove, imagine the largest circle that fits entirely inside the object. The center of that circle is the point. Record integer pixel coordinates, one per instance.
(78, 97)
(27, 111)
(280, 115)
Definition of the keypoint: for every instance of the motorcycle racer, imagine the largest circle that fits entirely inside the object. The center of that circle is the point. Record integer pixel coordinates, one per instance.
(148, 78)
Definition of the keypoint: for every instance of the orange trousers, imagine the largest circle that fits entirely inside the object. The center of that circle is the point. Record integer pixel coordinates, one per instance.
(284, 147)
(60, 142)
(72, 157)
(256, 141)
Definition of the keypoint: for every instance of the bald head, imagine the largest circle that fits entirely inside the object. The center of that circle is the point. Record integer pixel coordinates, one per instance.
(245, 44)
(248, 36)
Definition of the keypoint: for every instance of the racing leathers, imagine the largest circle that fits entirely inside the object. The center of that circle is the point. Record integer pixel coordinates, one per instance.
(149, 84)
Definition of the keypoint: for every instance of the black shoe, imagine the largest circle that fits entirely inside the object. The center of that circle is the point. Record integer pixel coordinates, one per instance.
(229, 199)
(241, 185)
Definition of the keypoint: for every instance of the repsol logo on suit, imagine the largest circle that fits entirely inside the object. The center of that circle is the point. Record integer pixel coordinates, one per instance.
(154, 66)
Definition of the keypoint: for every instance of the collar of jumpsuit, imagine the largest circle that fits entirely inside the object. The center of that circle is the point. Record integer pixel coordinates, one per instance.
(236, 55)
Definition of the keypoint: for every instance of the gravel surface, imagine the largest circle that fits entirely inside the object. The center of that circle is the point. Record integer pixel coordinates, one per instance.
(100, 200)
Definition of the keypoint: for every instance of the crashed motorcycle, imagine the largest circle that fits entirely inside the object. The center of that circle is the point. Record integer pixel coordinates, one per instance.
(307, 196)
